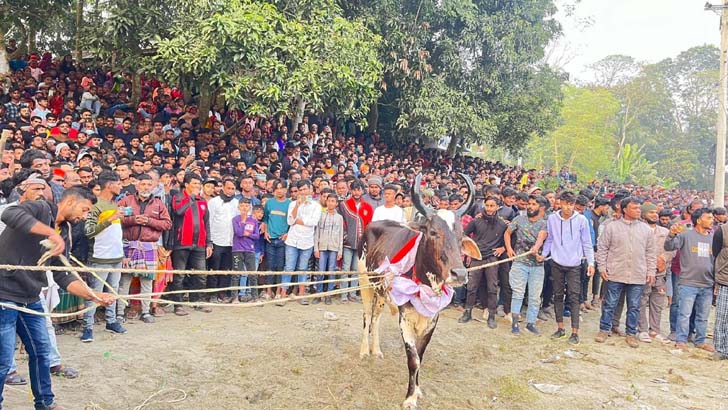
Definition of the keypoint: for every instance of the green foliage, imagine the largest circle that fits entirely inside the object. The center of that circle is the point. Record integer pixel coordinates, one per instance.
(264, 60)
(632, 166)
(584, 140)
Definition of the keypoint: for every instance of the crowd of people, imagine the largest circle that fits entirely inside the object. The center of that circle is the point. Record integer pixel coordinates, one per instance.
(158, 185)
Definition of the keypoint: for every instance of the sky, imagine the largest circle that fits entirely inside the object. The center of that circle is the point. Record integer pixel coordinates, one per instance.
(648, 30)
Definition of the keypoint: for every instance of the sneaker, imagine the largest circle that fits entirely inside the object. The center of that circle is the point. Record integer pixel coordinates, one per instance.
(567, 313)
(344, 299)
(120, 319)
(499, 311)
(88, 335)
(531, 327)
(558, 334)
(644, 337)
(303, 302)
(147, 318)
(632, 341)
(327, 300)
(203, 309)
(246, 298)
(601, 337)
(316, 301)
(574, 339)
(515, 329)
(355, 298)
(672, 337)
(708, 348)
(542, 315)
(549, 311)
(115, 327)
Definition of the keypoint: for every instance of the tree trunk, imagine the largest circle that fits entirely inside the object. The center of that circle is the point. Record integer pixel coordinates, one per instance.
(4, 63)
(298, 115)
(79, 22)
(373, 117)
(136, 88)
(452, 147)
(31, 38)
(203, 106)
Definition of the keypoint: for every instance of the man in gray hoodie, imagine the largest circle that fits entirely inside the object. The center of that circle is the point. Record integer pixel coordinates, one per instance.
(568, 241)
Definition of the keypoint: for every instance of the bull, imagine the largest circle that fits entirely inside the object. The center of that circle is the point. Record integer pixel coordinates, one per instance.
(437, 263)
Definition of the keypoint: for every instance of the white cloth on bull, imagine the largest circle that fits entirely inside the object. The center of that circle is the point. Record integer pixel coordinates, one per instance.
(402, 289)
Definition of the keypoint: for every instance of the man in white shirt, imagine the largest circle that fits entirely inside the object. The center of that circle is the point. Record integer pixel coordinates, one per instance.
(303, 217)
(389, 211)
(222, 208)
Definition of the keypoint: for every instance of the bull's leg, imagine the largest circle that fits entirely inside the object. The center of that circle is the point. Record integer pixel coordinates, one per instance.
(367, 299)
(422, 343)
(409, 336)
(378, 306)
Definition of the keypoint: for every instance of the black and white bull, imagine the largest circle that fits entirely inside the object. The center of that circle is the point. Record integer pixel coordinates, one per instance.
(438, 262)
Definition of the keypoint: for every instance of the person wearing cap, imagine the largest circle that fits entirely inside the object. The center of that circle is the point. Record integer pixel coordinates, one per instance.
(627, 259)
(720, 216)
(374, 192)
(208, 189)
(654, 297)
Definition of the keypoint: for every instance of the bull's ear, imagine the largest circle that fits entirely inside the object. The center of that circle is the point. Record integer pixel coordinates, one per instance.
(470, 248)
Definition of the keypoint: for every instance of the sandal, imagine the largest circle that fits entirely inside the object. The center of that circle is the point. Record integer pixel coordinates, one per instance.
(158, 311)
(63, 371)
(15, 379)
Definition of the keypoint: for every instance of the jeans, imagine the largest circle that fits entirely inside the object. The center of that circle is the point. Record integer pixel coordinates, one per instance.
(522, 275)
(675, 304)
(275, 256)
(327, 262)
(33, 333)
(296, 260)
(701, 299)
(633, 294)
(187, 259)
(112, 278)
(350, 263)
(246, 261)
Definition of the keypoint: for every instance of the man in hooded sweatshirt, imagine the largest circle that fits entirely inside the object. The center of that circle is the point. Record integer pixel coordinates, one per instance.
(568, 241)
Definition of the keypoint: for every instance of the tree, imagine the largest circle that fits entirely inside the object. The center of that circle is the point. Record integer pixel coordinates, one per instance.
(489, 51)
(585, 139)
(266, 61)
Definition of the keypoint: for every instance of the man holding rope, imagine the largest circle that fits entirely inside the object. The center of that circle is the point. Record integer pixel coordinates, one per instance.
(29, 223)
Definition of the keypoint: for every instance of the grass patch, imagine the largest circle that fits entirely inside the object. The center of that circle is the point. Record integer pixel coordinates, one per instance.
(512, 389)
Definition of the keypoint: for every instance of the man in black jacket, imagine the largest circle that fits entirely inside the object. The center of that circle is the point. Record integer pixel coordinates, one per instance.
(487, 232)
(29, 223)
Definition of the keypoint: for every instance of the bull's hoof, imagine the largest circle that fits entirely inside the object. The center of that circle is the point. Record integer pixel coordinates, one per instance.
(364, 355)
(419, 393)
(378, 355)
(410, 403)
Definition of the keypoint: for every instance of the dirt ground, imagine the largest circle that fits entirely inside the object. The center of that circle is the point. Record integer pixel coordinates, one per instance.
(292, 358)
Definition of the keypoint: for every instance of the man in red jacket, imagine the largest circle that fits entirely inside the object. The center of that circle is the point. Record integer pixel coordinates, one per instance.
(190, 240)
(357, 215)
(145, 218)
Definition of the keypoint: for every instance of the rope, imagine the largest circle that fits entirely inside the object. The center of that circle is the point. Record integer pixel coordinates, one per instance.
(488, 265)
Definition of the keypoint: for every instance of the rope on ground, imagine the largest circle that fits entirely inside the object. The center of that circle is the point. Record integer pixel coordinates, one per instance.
(149, 400)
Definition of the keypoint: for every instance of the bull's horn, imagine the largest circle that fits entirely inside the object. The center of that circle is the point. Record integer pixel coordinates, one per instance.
(417, 198)
(465, 207)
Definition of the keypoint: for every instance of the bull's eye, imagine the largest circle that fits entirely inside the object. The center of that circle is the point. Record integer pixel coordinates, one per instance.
(433, 233)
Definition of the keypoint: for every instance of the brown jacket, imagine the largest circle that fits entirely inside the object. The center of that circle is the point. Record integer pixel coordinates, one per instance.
(626, 250)
(159, 220)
